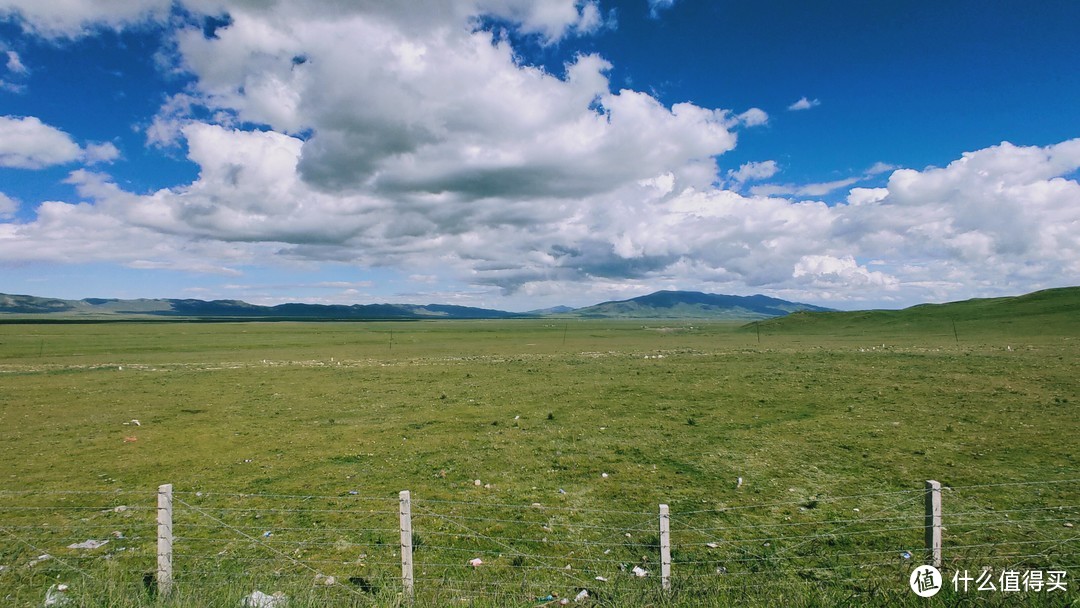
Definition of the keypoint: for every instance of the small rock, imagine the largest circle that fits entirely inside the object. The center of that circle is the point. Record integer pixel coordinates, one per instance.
(258, 599)
(477, 483)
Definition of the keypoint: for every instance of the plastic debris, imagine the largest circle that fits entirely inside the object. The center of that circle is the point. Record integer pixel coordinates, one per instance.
(136, 422)
(583, 594)
(477, 482)
(267, 534)
(258, 599)
(906, 555)
(546, 598)
(564, 601)
(562, 491)
(130, 439)
(640, 572)
(88, 544)
(604, 475)
(476, 561)
(329, 581)
(601, 579)
(57, 595)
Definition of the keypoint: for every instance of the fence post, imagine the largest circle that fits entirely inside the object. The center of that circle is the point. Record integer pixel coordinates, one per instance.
(665, 547)
(406, 544)
(165, 539)
(933, 523)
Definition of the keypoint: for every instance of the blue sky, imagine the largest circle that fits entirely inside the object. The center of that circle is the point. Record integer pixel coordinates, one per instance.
(520, 155)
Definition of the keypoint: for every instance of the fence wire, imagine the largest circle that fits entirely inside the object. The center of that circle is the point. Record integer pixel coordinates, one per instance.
(347, 549)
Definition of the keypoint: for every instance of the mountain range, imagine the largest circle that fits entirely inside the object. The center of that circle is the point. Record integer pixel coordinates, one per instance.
(661, 304)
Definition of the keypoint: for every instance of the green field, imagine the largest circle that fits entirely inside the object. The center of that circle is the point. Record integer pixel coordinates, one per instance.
(576, 430)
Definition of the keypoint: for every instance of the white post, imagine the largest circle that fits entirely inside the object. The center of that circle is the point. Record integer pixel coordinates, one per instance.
(933, 523)
(165, 539)
(665, 548)
(406, 544)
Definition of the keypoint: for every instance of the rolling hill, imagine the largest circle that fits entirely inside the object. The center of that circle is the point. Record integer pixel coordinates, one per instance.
(694, 305)
(1042, 312)
(105, 309)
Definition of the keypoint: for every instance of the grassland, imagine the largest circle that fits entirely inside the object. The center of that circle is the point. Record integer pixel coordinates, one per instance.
(672, 412)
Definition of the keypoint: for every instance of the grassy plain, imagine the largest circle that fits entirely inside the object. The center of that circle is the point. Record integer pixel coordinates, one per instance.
(540, 410)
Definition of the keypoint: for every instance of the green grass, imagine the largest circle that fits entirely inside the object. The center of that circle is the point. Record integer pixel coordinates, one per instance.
(807, 412)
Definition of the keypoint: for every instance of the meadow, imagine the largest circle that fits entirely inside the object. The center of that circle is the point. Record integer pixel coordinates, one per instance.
(506, 431)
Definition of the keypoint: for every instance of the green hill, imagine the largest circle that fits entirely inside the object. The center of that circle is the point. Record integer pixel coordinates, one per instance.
(1047, 312)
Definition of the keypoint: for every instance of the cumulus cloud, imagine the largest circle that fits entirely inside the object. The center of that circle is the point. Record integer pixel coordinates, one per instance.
(804, 104)
(513, 131)
(28, 143)
(419, 140)
(754, 171)
(70, 19)
(8, 206)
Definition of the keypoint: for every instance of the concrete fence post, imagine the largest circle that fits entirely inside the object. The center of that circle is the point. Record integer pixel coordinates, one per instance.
(406, 544)
(665, 547)
(933, 523)
(164, 539)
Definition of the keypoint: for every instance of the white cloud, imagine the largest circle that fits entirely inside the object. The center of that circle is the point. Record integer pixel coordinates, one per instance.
(28, 143)
(8, 206)
(513, 131)
(69, 18)
(393, 137)
(754, 171)
(826, 271)
(860, 196)
(804, 104)
(753, 117)
(655, 6)
(15, 64)
(816, 189)
(100, 153)
(1002, 218)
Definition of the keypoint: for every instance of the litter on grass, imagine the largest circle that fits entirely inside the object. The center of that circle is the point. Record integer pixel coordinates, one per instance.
(57, 595)
(88, 544)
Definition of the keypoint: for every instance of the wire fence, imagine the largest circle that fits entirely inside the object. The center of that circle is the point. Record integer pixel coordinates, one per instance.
(348, 549)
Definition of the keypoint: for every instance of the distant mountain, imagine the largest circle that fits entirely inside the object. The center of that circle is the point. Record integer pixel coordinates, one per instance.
(695, 305)
(103, 308)
(554, 310)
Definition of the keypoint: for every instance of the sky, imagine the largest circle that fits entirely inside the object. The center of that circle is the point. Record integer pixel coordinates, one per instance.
(522, 154)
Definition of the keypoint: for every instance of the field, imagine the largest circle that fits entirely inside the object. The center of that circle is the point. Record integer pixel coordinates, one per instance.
(792, 456)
